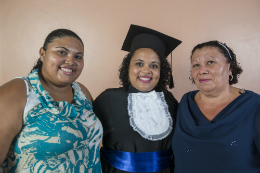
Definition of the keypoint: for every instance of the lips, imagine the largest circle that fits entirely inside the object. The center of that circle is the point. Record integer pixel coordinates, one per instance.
(67, 70)
(204, 80)
(145, 79)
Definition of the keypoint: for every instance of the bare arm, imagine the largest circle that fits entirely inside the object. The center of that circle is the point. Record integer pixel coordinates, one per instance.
(12, 102)
(86, 92)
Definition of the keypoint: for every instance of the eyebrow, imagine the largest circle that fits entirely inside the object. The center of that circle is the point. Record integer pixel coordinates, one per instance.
(205, 57)
(156, 62)
(143, 61)
(68, 50)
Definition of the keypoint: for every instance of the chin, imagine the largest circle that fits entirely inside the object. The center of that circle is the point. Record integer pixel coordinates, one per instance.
(206, 89)
(145, 89)
(67, 82)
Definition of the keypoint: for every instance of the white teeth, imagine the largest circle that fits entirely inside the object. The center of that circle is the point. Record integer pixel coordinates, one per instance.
(144, 78)
(66, 69)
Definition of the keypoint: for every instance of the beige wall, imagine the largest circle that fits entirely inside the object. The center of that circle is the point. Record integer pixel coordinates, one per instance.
(102, 24)
(1, 38)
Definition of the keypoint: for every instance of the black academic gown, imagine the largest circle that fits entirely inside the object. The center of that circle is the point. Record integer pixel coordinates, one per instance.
(111, 108)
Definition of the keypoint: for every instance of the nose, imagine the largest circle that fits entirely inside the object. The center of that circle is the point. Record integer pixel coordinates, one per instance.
(146, 69)
(69, 60)
(203, 69)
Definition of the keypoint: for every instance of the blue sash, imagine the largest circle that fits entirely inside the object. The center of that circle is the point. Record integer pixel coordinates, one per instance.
(137, 162)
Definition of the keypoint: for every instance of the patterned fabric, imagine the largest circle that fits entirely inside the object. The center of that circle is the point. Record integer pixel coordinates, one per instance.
(56, 136)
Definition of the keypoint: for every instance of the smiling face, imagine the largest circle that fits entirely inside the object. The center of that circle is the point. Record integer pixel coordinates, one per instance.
(144, 69)
(210, 70)
(62, 61)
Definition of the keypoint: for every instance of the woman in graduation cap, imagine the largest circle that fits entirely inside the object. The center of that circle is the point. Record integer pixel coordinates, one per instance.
(218, 125)
(138, 118)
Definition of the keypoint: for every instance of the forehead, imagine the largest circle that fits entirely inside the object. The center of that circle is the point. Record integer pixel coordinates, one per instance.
(68, 42)
(207, 52)
(145, 54)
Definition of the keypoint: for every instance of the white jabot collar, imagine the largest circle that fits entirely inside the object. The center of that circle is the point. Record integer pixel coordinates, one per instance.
(149, 115)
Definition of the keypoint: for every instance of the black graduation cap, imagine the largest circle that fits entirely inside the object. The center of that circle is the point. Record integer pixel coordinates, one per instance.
(142, 37)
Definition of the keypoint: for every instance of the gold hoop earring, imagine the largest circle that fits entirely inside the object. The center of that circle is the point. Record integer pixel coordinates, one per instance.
(231, 77)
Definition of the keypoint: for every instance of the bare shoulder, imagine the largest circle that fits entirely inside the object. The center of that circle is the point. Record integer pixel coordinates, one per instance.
(236, 92)
(86, 92)
(15, 88)
(13, 97)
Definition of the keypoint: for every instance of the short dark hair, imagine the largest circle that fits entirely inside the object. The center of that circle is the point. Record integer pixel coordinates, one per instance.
(59, 33)
(165, 71)
(228, 53)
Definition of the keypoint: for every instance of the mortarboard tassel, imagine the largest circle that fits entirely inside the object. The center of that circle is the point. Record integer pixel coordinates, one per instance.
(171, 78)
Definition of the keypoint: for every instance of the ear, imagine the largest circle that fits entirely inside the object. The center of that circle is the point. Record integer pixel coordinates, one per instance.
(42, 53)
(230, 70)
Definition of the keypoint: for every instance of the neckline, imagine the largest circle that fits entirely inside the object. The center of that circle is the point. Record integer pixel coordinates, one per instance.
(219, 115)
(132, 89)
(57, 107)
(47, 93)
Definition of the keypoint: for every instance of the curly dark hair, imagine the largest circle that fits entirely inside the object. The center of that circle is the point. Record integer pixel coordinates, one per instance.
(228, 53)
(165, 72)
(58, 33)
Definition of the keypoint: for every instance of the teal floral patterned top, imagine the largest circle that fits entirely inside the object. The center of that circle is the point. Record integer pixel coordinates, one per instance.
(56, 136)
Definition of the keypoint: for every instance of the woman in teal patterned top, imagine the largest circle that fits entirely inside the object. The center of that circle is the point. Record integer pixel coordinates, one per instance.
(47, 122)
